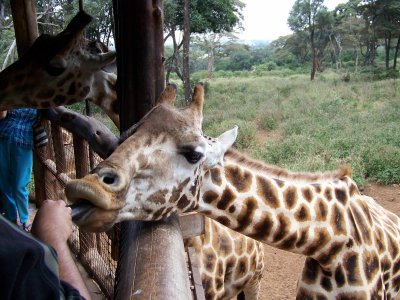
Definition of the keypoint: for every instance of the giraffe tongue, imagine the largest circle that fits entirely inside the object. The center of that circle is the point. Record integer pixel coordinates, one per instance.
(80, 209)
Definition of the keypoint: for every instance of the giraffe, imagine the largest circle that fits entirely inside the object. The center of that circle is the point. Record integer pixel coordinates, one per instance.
(65, 69)
(60, 70)
(229, 262)
(166, 164)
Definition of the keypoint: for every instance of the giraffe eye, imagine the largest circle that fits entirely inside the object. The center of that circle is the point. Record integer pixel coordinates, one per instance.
(54, 70)
(192, 156)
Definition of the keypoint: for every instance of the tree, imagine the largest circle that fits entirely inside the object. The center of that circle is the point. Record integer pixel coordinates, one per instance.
(304, 16)
(388, 26)
(206, 16)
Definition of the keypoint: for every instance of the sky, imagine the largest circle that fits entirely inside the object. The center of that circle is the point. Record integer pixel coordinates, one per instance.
(267, 19)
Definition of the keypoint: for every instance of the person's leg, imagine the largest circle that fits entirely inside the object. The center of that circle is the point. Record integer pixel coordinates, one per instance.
(6, 186)
(23, 169)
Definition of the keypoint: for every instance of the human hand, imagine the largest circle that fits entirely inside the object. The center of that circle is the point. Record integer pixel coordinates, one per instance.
(3, 114)
(53, 223)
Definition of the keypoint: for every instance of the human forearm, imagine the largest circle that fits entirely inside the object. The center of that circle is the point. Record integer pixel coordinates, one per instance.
(69, 271)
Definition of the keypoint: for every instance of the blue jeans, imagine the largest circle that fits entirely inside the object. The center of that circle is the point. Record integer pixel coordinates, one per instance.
(15, 173)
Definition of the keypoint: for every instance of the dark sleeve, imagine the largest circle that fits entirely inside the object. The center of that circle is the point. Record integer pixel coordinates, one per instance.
(28, 268)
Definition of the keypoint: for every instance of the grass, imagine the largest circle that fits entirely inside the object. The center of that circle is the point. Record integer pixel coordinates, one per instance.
(312, 126)
(288, 120)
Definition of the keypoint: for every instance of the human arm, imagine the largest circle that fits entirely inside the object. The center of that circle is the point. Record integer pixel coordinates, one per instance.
(53, 226)
(3, 114)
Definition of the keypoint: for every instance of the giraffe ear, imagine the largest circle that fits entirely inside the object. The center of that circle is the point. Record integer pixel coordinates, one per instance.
(228, 138)
(196, 106)
(217, 148)
(168, 96)
(98, 61)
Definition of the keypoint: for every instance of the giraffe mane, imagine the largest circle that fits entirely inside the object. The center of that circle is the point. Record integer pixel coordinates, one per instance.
(281, 173)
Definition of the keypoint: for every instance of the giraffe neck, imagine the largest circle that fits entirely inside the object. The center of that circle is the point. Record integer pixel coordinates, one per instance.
(305, 216)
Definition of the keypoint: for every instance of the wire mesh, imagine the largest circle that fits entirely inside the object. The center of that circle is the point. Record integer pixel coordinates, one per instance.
(97, 252)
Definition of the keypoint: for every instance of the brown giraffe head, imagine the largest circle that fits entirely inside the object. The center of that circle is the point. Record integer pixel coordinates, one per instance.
(155, 171)
(59, 70)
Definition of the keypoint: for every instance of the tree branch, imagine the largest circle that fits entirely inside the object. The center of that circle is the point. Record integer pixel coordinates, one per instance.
(99, 137)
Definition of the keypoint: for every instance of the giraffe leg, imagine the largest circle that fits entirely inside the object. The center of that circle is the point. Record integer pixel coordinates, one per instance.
(252, 290)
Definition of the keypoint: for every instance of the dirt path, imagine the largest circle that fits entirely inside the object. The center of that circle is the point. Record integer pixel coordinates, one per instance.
(284, 268)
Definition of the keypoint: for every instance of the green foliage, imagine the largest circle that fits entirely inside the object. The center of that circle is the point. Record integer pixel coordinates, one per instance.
(205, 15)
(312, 126)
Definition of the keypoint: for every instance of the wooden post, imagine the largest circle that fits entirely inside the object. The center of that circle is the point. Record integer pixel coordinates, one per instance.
(26, 32)
(25, 24)
(152, 262)
(81, 153)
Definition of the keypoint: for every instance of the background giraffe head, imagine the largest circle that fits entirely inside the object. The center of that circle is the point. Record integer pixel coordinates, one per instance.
(155, 171)
(59, 70)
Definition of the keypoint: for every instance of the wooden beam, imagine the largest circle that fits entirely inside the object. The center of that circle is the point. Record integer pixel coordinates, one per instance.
(151, 261)
(25, 24)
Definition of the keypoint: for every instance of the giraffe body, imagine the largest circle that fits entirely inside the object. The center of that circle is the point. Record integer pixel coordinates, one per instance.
(229, 262)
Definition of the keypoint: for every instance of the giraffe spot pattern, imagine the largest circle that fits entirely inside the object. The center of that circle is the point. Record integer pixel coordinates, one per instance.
(289, 242)
(317, 187)
(210, 260)
(392, 246)
(352, 270)
(246, 215)
(84, 92)
(71, 89)
(307, 194)
(283, 227)
(328, 256)
(227, 198)
(241, 268)
(223, 220)
(290, 197)
(353, 229)
(321, 237)
(267, 192)
(337, 220)
(361, 224)
(45, 93)
(240, 179)
(328, 194)
(210, 197)
(302, 214)
(352, 296)
(341, 196)
(59, 99)
(303, 294)
(177, 190)
(310, 271)
(263, 227)
(326, 283)
(158, 197)
(303, 238)
(339, 276)
(371, 264)
(183, 202)
(321, 210)
(216, 176)
(158, 213)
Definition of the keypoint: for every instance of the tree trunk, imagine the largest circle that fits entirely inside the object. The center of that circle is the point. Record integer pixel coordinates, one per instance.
(210, 67)
(313, 54)
(186, 44)
(356, 62)
(396, 52)
(388, 39)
